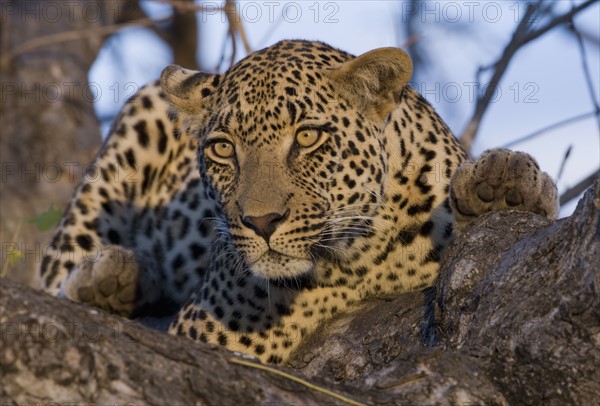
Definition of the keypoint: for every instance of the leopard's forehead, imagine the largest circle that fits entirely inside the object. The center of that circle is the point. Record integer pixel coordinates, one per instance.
(284, 70)
(284, 58)
(277, 84)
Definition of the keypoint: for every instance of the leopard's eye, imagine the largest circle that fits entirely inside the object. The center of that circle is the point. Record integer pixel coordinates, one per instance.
(308, 137)
(222, 149)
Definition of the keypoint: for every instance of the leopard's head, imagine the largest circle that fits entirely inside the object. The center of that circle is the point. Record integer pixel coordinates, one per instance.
(291, 141)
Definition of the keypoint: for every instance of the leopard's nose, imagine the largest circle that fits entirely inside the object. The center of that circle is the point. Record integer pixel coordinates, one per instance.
(265, 225)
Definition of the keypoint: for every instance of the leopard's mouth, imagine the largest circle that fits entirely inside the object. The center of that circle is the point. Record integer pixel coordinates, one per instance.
(274, 255)
(271, 254)
(275, 265)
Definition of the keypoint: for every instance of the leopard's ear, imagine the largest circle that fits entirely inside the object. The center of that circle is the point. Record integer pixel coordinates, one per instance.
(187, 89)
(374, 81)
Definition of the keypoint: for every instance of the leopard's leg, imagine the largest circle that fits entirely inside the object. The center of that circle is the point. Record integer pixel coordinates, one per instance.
(501, 179)
(127, 242)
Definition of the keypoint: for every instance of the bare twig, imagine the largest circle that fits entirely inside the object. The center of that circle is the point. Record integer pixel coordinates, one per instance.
(521, 36)
(74, 35)
(565, 18)
(564, 162)
(589, 37)
(236, 27)
(223, 49)
(551, 127)
(482, 103)
(272, 29)
(414, 47)
(576, 190)
(232, 17)
(586, 71)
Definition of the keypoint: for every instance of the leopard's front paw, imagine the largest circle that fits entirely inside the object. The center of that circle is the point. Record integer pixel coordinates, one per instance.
(109, 282)
(501, 180)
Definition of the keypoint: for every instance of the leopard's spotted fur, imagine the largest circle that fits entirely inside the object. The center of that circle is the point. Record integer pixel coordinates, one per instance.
(277, 194)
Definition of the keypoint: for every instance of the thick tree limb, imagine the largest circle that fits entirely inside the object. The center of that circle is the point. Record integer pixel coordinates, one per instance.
(514, 318)
(55, 351)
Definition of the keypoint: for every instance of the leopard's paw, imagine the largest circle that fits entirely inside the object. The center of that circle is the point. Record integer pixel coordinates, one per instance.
(109, 282)
(501, 180)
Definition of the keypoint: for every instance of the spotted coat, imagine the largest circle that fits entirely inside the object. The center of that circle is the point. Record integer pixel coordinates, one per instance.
(265, 200)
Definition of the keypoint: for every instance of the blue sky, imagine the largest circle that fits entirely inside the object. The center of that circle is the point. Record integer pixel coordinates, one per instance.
(543, 85)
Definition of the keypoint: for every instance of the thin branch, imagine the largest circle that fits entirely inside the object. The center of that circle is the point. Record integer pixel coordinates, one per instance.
(234, 28)
(578, 189)
(233, 44)
(416, 50)
(589, 37)
(520, 37)
(551, 127)
(74, 35)
(244, 38)
(468, 136)
(586, 71)
(223, 49)
(564, 162)
(565, 18)
(274, 26)
(235, 22)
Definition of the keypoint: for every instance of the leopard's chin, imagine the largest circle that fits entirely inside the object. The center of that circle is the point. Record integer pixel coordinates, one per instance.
(276, 266)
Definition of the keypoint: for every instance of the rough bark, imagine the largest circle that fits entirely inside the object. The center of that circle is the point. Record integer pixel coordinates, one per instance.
(63, 352)
(513, 319)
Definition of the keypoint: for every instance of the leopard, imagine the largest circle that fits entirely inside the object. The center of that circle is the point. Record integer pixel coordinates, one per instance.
(256, 204)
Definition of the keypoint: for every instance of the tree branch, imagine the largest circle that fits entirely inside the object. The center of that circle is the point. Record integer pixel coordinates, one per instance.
(565, 18)
(236, 28)
(520, 37)
(74, 35)
(418, 54)
(109, 360)
(548, 128)
(586, 71)
(579, 188)
(496, 330)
